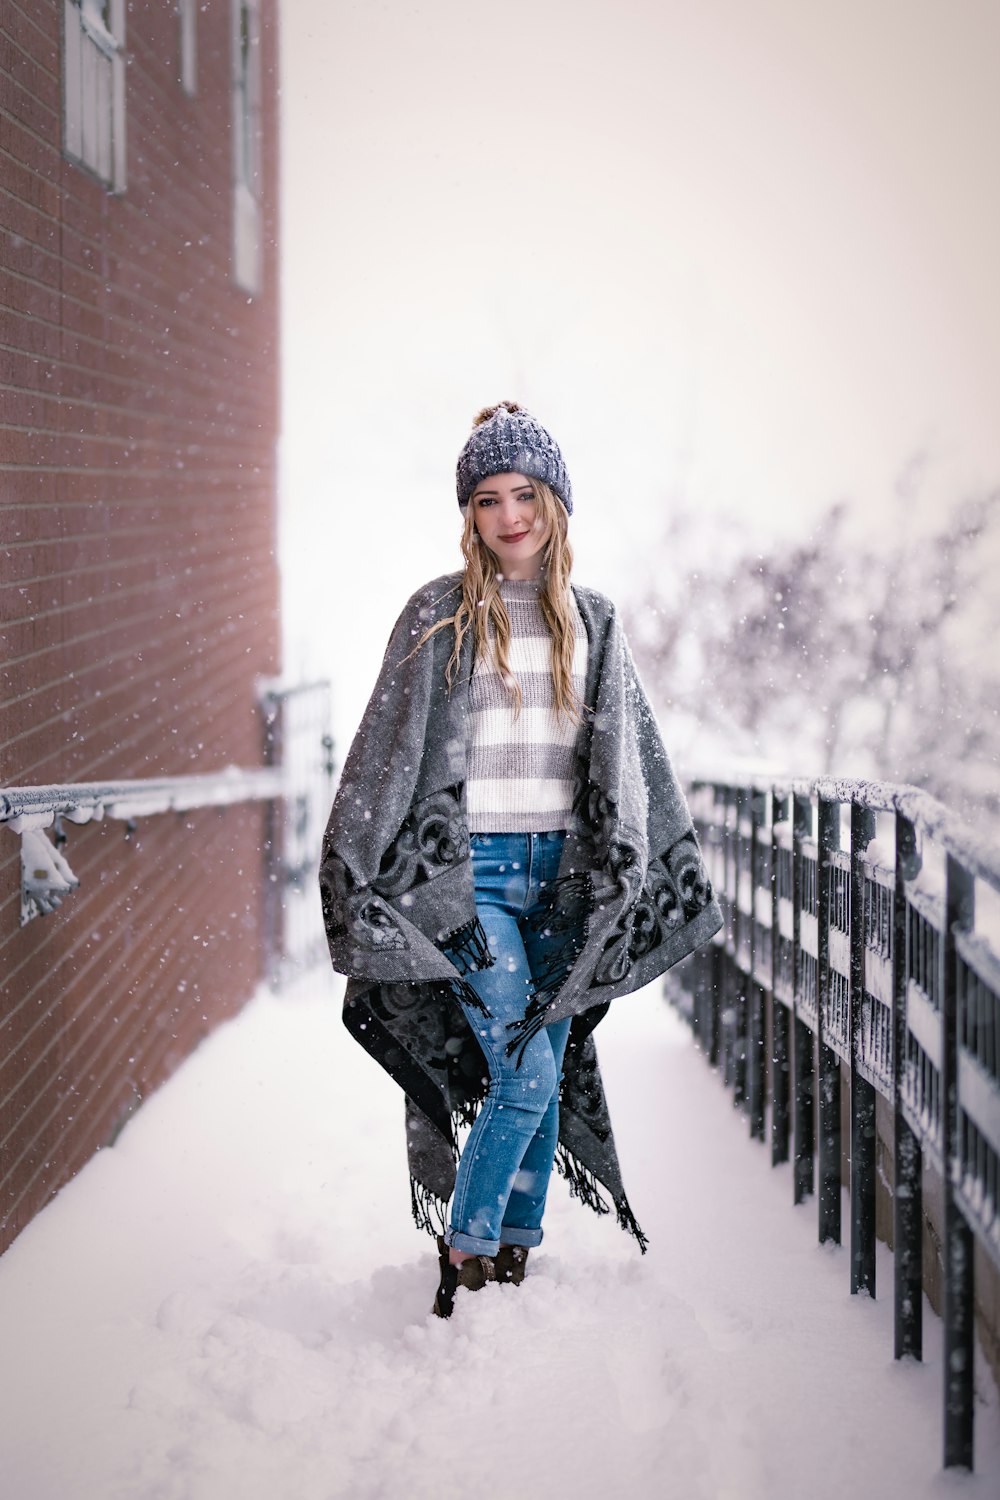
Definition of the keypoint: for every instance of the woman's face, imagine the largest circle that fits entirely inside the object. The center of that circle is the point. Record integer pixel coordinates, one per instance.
(509, 520)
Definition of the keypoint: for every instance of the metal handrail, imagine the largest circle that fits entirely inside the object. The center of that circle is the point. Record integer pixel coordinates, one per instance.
(845, 956)
(952, 833)
(46, 877)
(25, 807)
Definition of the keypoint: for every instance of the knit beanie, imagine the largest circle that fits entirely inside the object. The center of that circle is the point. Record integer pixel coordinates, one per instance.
(506, 439)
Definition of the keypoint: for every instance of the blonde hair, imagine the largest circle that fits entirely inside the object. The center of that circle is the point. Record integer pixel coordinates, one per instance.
(482, 606)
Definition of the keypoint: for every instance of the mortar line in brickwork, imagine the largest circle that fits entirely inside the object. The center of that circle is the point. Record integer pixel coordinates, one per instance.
(30, 21)
(48, 147)
(195, 623)
(99, 993)
(130, 1038)
(198, 379)
(112, 564)
(181, 423)
(174, 918)
(27, 86)
(125, 622)
(182, 320)
(41, 615)
(184, 424)
(152, 734)
(80, 1100)
(16, 205)
(218, 359)
(87, 897)
(153, 529)
(198, 624)
(105, 999)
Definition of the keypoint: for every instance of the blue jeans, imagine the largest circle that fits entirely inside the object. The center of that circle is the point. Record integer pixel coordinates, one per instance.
(504, 1172)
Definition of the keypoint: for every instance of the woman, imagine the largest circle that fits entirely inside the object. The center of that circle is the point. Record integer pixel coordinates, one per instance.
(507, 852)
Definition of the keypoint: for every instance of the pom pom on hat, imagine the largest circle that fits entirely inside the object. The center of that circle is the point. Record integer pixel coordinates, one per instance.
(505, 439)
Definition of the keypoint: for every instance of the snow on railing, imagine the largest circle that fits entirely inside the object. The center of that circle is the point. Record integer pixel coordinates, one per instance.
(862, 931)
(45, 874)
(24, 807)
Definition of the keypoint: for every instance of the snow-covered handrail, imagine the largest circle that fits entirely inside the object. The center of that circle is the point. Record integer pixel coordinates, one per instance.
(24, 807)
(952, 833)
(46, 876)
(861, 941)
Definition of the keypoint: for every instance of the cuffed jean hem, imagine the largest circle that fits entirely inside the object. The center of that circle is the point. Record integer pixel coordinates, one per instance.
(528, 1239)
(470, 1244)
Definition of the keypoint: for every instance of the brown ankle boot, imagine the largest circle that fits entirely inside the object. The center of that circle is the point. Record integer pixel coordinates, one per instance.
(509, 1264)
(473, 1274)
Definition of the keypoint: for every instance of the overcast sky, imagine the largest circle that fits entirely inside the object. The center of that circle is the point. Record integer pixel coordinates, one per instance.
(739, 255)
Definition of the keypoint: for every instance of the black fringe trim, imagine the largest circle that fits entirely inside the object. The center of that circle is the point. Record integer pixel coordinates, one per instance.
(582, 1182)
(462, 990)
(464, 1114)
(585, 1186)
(428, 1209)
(574, 894)
(532, 1021)
(468, 949)
(628, 1221)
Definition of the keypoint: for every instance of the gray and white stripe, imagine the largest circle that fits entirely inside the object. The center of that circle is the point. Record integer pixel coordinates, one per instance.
(521, 769)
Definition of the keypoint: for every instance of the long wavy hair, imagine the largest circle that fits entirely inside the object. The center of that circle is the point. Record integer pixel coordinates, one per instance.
(483, 611)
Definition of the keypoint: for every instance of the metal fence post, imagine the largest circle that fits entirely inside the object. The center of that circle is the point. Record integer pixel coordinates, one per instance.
(779, 1011)
(862, 1092)
(887, 976)
(802, 1041)
(717, 953)
(727, 1000)
(756, 1012)
(959, 1302)
(907, 1195)
(828, 1062)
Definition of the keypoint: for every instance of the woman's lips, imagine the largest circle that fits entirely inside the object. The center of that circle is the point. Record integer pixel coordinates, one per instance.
(517, 537)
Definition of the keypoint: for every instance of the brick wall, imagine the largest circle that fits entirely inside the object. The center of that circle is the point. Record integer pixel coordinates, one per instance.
(138, 580)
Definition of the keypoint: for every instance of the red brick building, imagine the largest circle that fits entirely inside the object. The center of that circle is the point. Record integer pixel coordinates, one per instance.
(138, 576)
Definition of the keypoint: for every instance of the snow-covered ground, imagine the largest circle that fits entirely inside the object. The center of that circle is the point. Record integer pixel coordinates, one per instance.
(232, 1304)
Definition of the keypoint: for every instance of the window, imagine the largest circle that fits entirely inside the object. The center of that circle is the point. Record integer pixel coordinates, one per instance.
(187, 13)
(246, 144)
(94, 87)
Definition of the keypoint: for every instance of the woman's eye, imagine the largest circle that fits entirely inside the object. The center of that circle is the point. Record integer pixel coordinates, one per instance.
(484, 500)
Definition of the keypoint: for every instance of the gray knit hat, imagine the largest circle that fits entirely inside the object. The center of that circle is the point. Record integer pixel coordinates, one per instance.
(507, 440)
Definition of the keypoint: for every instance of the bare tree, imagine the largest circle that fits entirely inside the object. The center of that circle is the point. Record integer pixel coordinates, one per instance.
(836, 653)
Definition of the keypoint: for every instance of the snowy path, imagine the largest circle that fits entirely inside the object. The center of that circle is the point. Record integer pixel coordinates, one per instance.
(232, 1304)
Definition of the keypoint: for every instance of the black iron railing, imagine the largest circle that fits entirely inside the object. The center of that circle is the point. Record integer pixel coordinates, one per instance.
(861, 941)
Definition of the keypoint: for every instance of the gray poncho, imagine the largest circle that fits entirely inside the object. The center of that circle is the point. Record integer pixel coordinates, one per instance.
(632, 896)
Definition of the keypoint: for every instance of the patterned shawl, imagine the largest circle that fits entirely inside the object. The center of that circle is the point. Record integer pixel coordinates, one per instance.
(631, 899)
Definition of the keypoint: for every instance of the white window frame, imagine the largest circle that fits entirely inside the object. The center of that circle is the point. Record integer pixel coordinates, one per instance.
(246, 89)
(94, 87)
(187, 16)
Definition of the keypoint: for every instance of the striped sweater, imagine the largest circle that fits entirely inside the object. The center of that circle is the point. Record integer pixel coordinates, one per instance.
(521, 769)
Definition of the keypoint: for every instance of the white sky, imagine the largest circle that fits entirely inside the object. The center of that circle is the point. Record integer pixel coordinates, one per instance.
(737, 255)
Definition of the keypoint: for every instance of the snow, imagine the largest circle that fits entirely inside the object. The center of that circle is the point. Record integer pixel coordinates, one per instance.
(233, 1302)
(26, 808)
(45, 875)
